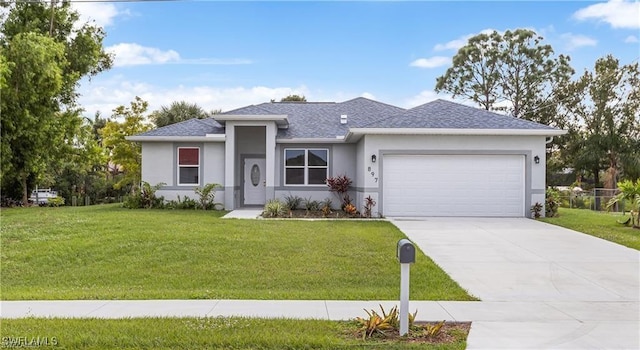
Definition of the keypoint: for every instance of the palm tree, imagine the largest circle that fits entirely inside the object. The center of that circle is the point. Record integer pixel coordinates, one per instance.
(177, 112)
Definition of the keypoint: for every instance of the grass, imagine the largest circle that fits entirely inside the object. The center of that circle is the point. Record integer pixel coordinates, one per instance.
(107, 252)
(598, 224)
(199, 333)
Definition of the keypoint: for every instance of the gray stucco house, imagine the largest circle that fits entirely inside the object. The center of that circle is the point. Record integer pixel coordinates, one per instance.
(437, 159)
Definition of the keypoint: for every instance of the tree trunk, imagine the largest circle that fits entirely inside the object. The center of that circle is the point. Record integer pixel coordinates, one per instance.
(25, 192)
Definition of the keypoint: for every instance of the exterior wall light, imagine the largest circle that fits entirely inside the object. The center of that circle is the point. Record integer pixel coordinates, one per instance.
(536, 160)
(373, 158)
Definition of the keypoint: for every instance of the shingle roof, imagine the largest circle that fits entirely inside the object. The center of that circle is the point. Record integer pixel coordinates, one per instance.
(441, 114)
(191, 127)
(322, 120)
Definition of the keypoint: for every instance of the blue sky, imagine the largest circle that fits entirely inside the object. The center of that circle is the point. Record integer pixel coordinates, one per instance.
(224, 55)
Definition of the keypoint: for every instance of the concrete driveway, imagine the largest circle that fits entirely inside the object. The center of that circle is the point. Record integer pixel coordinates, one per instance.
(586, 290)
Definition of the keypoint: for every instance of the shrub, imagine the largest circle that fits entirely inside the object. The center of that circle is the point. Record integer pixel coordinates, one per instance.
(350, 209)
(369, 203)
(340, 185)
(536, 209)
(55, 202)
(552, 202)
(185, 203)
(145, 197)
(311, 205)
(325, 206)
(274, 208)
(629, 191)
(206, 195)
(292, 202)
(374, 323)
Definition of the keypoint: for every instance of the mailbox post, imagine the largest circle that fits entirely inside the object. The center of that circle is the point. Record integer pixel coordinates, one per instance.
(406, 254)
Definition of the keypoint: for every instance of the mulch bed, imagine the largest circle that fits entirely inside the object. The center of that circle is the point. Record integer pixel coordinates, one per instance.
(450, 333)
(318, 214)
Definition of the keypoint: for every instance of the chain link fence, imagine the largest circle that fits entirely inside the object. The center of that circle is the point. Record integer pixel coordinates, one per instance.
(595, 199)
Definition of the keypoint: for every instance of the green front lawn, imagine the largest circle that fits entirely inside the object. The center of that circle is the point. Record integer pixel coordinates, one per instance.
(198, 333)
(598, 224)
(107, 252)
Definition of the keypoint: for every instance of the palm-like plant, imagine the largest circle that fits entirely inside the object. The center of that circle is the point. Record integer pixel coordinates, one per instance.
(631, 192)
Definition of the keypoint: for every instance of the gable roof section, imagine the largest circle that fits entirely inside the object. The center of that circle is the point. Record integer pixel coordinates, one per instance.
(191, 127)
(321, 119)
(441, 114)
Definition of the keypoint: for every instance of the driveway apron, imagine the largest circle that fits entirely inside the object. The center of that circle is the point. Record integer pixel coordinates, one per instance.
(511, 261)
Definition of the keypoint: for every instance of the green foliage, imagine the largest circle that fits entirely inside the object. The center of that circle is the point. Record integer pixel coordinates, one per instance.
(145, 198)
(207, 195)
(274, 208)
(292, 202)
(552, 202)
(629, 191)
(311, 205)
(184, 203)
(126, 154)
(536, 209)
(605, 135)
(177, 112)
(514, 67)
(55, 202)
(294, 98)
(44, 52)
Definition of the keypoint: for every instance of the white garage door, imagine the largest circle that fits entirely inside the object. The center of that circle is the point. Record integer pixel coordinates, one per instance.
(453, 185)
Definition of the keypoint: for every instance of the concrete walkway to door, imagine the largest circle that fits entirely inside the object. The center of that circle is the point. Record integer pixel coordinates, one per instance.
(516, 261)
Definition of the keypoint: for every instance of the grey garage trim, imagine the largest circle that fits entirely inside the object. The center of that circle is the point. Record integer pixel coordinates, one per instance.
(525, 153)
(538, 191)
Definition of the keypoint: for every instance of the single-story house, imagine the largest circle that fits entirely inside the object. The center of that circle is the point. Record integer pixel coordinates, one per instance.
(438, 159)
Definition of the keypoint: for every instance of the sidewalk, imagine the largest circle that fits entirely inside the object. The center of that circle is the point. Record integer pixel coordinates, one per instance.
(496, 325)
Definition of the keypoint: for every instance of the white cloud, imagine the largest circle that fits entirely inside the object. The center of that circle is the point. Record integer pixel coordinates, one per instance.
(431, 62)
(101, 13)
(574, 41)
(617, 13)
(460, 42)
(368, 95)
(631, 39)
(106, 96)
(131, 54)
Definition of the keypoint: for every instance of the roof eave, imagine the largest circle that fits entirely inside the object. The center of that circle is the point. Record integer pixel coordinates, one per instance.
(281, 120)
(207, 138)
(358, 132)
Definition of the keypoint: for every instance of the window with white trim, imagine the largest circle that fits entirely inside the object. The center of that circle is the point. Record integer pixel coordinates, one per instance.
(188, 166)
(306, 166)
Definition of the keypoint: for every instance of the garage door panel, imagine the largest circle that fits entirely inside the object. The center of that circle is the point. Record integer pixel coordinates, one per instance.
(453, 185)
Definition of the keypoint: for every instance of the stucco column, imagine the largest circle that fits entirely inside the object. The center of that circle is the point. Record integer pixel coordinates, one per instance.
(229, 166)
(270, 158)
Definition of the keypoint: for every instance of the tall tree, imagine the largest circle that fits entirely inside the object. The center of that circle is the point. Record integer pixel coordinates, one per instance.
(177, 112)
(46, 52)
(513, 71)
(606, 112)
(123, 153)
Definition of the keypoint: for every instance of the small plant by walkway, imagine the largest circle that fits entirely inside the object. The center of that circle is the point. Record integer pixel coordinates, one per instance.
(108, 252)
(200, 333)
(599, 224)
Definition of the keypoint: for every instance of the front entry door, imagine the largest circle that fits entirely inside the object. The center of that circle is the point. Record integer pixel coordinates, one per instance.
(255, 191)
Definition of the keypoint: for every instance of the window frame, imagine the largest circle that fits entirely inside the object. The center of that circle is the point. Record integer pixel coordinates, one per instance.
(179, 166)
(305, 167)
